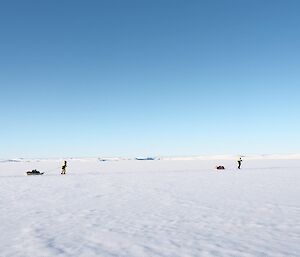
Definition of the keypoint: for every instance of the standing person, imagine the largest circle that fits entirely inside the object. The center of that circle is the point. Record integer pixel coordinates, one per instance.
(239, 163)
(63, 168)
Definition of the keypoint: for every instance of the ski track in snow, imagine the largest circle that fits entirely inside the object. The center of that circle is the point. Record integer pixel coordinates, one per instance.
(150, 208)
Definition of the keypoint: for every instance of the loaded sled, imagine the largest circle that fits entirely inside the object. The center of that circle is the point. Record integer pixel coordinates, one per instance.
(34, 172)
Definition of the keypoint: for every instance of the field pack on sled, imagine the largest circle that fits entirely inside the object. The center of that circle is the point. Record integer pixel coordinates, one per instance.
(34, 172)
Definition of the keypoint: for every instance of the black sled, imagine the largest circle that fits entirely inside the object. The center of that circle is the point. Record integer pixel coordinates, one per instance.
(34, 172)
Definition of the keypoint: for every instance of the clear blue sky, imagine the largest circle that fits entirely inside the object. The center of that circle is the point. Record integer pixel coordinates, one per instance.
(128, 78)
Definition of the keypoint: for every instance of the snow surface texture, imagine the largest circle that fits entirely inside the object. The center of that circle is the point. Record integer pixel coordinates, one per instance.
(167, 207)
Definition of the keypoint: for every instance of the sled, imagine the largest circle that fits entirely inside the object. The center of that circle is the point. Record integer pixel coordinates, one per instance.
(34, 172)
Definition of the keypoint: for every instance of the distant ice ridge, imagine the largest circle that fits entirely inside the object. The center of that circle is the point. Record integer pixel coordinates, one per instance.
(163, 158)
(234, 157)
(201, 157)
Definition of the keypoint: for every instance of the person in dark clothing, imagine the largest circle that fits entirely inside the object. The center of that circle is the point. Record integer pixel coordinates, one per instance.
(239, 163)
(63, 168)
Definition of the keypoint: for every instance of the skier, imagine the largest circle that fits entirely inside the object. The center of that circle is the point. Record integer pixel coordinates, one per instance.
(63, 168)
(239, 163)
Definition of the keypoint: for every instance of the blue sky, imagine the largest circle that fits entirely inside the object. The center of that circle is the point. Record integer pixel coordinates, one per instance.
(128, 78)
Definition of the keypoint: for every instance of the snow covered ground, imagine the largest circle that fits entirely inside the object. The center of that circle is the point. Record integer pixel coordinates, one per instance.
(168, 207)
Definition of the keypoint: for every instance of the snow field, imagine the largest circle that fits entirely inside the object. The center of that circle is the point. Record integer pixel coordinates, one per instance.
(162, 208)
